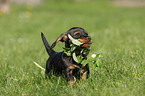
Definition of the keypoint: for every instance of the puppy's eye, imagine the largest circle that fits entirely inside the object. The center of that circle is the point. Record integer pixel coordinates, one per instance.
(77, 34)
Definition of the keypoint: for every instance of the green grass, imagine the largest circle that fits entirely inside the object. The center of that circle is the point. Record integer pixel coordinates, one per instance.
(117, 32)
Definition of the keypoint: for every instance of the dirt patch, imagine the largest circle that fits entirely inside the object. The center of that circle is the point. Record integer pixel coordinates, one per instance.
(129, 2)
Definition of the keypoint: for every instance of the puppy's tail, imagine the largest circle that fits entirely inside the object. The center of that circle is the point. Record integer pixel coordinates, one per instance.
(49, 50)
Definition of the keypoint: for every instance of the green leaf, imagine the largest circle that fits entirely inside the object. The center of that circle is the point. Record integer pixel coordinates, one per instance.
(68, 53)
(74, 57)
(96, 60)
(74, 41)
(79, 58)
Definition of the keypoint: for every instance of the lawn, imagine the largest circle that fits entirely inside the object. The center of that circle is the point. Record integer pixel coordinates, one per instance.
(117, 32)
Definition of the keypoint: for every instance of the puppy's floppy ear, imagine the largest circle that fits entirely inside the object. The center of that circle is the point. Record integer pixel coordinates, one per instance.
(63, 37)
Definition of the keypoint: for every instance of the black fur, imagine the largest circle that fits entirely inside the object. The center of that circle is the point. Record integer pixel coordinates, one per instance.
(60, 63)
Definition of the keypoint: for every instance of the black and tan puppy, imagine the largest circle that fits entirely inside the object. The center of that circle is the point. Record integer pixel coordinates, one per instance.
(60, 63)
(77, 33)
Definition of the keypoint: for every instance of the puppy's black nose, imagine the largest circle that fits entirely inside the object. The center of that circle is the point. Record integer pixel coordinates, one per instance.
(89, 38)
(85, 34)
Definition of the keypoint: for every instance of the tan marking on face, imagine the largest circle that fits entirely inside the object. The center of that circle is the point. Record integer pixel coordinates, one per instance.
(77, 32)
(86, 45)
(85, 40)
(90, 42)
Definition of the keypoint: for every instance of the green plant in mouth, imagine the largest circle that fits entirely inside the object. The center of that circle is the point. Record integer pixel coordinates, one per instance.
(95, 60)
(79, 53)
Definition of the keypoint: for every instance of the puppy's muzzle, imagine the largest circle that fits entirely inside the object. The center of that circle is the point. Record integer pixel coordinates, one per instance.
(87, 41)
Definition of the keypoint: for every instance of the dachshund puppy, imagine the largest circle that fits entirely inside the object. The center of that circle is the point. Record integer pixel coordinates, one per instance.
(77, 33)
(65, 65)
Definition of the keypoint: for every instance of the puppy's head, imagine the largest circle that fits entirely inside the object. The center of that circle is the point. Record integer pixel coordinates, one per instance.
(76, 33)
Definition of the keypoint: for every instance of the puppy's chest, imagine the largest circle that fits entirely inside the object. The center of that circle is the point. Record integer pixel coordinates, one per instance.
(68, 61)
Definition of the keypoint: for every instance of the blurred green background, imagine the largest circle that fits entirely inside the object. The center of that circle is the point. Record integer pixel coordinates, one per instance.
(117, 30)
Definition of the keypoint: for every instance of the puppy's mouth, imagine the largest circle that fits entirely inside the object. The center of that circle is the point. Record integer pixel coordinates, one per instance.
(82, 45)
(84, 42)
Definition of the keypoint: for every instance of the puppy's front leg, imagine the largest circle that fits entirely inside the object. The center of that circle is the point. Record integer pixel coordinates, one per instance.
(86, 71)
(71, 79)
